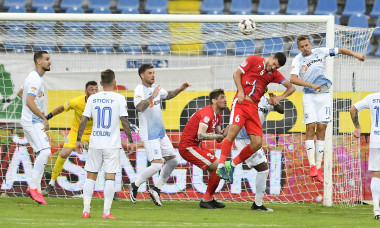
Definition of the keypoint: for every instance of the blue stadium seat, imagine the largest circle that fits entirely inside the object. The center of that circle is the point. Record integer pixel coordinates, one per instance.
(159, 11)
(41, 24)
(269, 7)
(244, 47)
(336, 19)
(129, 5)
(241, 7)
(42, 3)
(358, 45)
(152, 26)
(297, 7)
(272, 46)
(67, 4)
(215, 6)
(358, 21)
(99, 4)
(377, 53)
(101, 41)
(213, 27)
(20, 24)
(45, 39)
(12, 3)
(326, 7)
(353, 7)
(129, 25)
(217, 47)
(376, 9)
(74, 24)
(73, 41)
(97, 25)
(151, 5)
(376, 33)
(159, 42)
(129, 42)
(11, 43)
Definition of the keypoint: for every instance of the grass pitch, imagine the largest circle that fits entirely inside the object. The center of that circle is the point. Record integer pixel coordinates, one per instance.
(22, 211)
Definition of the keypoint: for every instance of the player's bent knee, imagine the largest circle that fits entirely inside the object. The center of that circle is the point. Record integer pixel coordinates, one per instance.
(173, 161)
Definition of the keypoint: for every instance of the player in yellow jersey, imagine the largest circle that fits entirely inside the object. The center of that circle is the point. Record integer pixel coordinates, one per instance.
(77, 104)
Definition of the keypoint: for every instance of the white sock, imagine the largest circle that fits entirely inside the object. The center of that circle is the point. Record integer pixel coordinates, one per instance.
(38, 169)
(261, 185)
(320, 148)
(52, 182)
(88, 190)
(310, 149)
(148, 173)
(109, 191)
(166, 171)
(375, 189)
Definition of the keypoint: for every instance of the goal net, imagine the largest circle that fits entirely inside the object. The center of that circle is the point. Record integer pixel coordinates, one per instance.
(201, 50)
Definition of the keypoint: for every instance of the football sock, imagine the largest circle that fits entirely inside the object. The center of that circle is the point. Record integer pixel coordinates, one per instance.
(88, 190)
(109, 191)
(148, 173)
(375, 189)
(58, 166)
(261, 185)
(213, 182)
(166, 171)
(320, 148)
(310, 148)
(244, 154)
(39, 166)
(226, 151)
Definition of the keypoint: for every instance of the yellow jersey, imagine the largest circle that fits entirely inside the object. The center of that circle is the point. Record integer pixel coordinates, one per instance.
(78, 104)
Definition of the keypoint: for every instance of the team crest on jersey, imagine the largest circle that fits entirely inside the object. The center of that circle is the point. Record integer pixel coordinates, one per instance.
(244, 63)
(67, 140)
(67, 104)
(206, 119)
(33, 89)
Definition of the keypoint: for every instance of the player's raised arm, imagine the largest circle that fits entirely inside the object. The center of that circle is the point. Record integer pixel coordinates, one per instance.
(55, 112)
(290, 89)
(173, 93)
(127, 129)
(237, 79)
(82, 126)
(345, 51)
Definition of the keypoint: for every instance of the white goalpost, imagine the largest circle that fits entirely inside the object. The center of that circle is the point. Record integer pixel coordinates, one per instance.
(203, 50)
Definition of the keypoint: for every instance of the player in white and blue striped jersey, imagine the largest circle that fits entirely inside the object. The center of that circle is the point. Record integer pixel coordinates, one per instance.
(308, 70)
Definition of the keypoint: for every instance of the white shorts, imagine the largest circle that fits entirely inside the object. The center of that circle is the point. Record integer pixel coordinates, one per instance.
(374, 159)
(108, 159)
(316, 108)
(256, 158)
(36, 136)
(158, 148)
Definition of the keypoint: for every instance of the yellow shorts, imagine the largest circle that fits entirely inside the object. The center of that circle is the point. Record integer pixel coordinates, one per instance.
(71, 140)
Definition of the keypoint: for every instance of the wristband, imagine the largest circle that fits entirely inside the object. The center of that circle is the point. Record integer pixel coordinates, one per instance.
(49, 116)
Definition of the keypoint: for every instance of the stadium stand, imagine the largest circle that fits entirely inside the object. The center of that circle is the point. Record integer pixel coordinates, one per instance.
(358, 21)
(20, 24)
(244, 47)
(13, 44)
(45, 39)
(129, 42)
(13, 3)
(297, 7)
(96, 25)
(99, 4)
(158, 5)
(129, 5)
(212, 7)
(67, 4)
(100, 41)
(162, 47)
(73, 41)
(326, 7)
(272, 46)
(74, 24)
(42, 3)
(376, 9)
(129, 25)
(269, 7)
(215, 48)
(353, 7)
(241, 7)
(46, 23)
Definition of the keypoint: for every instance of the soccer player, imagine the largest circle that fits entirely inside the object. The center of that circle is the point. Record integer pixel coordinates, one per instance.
(371, 102)
(251, 79)
(107, 108)
(77, 104)
(34, 122)
(147, 100)
(308, 70)
(258, 160)
(198, 128)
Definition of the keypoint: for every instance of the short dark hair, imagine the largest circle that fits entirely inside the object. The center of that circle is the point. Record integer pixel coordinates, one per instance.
(281, 57)
(144, 67)
(215, 94)
(302, 38)
(107, 76)
(91, 83)
(38, 55)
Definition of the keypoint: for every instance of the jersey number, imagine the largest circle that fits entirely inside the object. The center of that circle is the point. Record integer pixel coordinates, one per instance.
(102, 114)
(377, 116)
(237, 119)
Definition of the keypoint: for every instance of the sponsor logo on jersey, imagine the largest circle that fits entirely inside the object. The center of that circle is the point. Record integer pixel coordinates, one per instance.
(259, 66)
(314, 61)
(244, 63)
(206, 119)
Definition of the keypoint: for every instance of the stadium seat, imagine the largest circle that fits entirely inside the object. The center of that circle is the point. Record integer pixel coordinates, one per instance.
(354, 7)
(152, 26)
(99, 4)
(358, 21)
(129, 42)
(159, 11)
(151, 5)
(326, 7)
(97, 25)
(45, 39)
(297, 7)
(241, 7)
(216, 6)
(20, 24)
(11, 43)
(377, 53)
(272, 46)
(13, 3)
(336, 20)
(376, 9)
(376, 33)
(129, 5)
(159, 42)
(213, 27)
(244, 47)
(74, 24)
(101, 41)
(67, 4)
(73, 41)
(269, 7)
(129, 25)
(41, 24)
(42, 3)
(217, 47)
